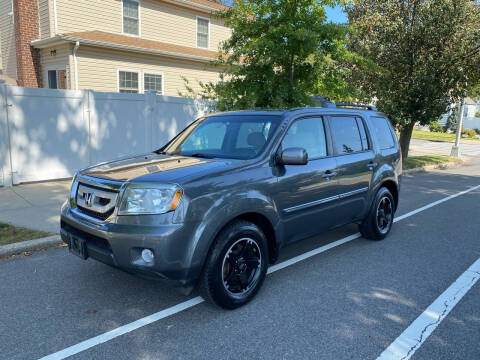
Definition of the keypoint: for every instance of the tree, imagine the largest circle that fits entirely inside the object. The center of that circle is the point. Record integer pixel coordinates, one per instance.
(426, 52)
(452, 120)
(280, 53)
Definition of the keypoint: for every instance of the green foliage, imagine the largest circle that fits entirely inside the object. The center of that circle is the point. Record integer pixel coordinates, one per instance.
(477, 131)
(436, 127)
(477, 114)
(280, 53)
(452, 120)
(427, 53)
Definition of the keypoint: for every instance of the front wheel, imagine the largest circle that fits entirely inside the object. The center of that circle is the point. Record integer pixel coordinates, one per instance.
(379, 221)
(236, 266)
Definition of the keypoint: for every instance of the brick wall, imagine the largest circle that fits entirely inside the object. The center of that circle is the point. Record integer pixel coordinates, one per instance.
(26, 30)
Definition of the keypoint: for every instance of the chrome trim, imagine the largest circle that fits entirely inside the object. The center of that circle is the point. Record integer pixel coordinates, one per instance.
(310, 204)
(325, 200)
(99, 182)
(354, 192)
(91, 219)
(94, 195)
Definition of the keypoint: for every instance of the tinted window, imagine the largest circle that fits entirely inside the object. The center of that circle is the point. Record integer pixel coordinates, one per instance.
(234, 137)
(347, 134)
(363, 134)
(382, 132)
(309, 134)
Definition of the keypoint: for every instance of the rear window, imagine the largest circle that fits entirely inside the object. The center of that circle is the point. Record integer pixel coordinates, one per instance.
(381, 129)
(347, 134)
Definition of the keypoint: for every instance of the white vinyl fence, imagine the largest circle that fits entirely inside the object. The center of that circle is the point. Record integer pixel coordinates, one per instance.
(49, 134)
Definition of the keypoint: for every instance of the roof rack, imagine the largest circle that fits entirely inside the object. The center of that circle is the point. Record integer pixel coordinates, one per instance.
(327, 103)
(324, 102)
(368, 107)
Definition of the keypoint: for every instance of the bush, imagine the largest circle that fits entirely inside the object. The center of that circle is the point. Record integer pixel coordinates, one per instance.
(436, 127)
(477, 130)
(469, 133)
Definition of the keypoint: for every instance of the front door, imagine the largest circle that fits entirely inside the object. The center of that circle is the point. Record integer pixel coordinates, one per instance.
(355, 165)
(306, 194)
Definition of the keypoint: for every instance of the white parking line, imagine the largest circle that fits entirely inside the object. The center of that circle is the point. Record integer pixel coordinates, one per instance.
(418, 331)
(87, 344)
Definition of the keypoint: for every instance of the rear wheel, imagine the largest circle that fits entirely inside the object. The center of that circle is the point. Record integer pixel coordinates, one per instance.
(236, 266)
(379, 221)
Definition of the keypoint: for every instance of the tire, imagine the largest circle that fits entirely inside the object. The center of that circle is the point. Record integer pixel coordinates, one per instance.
(379, 220)
(236, 265)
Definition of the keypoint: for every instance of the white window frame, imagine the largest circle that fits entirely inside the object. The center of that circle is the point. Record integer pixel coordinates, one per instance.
(140, 78)
(139, 19)
(153, 73)
(55, 68)
(208, 35)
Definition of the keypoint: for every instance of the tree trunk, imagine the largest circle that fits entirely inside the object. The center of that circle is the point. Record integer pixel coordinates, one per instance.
(405, 136)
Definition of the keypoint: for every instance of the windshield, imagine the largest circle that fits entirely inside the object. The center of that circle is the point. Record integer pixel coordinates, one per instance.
(233, 137)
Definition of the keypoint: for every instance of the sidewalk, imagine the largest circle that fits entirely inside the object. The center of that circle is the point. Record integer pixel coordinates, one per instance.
(34, 206)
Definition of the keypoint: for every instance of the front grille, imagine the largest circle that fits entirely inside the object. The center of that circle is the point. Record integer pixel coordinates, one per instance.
(95, 214)
(95, 202)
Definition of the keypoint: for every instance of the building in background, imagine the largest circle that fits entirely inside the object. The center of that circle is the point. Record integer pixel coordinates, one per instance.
(111, 45)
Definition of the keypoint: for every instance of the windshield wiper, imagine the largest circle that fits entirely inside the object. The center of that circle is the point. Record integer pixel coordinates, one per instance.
(199, 155)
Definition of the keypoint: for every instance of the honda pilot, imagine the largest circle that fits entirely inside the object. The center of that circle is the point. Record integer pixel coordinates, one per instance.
(214, 206)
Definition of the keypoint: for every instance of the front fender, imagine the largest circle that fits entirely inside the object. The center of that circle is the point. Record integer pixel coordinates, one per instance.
(222, 211)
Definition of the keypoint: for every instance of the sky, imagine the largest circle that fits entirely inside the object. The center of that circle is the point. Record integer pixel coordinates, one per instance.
(334, 14)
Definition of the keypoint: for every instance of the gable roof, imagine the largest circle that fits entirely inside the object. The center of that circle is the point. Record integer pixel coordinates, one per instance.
(129, 43)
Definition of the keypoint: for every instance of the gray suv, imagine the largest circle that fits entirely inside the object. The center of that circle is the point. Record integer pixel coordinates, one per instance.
(214, 206)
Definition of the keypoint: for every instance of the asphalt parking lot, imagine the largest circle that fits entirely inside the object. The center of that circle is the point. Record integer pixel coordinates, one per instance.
(349, 302)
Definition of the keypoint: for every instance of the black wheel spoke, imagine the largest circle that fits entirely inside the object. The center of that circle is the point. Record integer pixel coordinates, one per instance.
(384, 214)
(241, 266)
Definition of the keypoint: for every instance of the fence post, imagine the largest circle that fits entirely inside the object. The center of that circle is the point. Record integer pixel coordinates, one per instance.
(150, 106)
(89, 123)
(9, 181)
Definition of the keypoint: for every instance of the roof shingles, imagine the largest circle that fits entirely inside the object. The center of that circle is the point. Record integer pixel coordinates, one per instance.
(105, 38)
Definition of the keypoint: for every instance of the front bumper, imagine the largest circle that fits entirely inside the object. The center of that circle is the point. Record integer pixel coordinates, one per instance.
(120, 244)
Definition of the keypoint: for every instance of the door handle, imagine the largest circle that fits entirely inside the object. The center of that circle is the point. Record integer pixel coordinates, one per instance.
(372, 165)
(328, 174)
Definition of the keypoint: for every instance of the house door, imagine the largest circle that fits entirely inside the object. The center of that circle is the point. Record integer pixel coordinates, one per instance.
(57, 79)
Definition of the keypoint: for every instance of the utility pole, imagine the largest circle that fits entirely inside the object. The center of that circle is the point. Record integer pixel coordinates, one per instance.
(456, 148)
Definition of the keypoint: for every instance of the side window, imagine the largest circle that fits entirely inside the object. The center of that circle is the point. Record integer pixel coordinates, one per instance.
(363, 134)
(307, 133)
(347, 135)
(382, 132)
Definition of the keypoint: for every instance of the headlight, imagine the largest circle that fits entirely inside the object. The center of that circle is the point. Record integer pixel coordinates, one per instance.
(149, 199)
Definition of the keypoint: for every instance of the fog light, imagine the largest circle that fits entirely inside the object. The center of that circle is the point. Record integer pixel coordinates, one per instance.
(147, 256)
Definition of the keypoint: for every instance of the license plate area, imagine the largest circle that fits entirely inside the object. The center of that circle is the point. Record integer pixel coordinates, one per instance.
(78, 246)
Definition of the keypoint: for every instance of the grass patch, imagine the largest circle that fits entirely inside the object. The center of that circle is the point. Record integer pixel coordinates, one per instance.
(425, 135)
(436, 136)
(424, 160)
(11, 234)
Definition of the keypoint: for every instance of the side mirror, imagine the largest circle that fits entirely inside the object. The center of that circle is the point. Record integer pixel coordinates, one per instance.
(294, 156)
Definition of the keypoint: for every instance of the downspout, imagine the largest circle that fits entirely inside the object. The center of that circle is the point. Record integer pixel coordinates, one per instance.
(55, 22)
(75, 65)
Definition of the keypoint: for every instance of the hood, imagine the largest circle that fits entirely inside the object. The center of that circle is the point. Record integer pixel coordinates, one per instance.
(153, 167)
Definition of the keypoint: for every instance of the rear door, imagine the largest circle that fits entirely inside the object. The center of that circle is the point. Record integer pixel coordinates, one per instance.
(355, 161)
(306, 194)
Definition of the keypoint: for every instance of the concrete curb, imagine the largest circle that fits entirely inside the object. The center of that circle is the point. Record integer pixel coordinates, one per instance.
(17, 248)
(434, 167)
